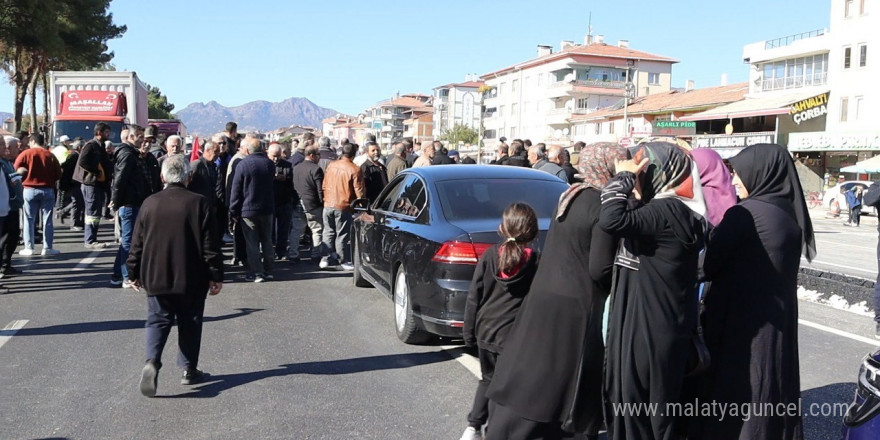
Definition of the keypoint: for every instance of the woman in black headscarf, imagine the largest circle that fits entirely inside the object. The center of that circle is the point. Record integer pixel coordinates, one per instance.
(752, 259)
(548, 382)
(654, 303)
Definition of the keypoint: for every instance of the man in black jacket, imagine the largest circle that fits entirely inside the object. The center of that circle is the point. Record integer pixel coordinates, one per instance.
(178, 266)
(442, 155)
(206, 181)
(285, 197)
(128, 191)
(501, 156)
(92, 171)
(308, 180)
(252, 206)
(375, 173)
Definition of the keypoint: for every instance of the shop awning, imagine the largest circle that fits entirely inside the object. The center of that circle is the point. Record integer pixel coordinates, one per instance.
(867, 166)
(749, 107)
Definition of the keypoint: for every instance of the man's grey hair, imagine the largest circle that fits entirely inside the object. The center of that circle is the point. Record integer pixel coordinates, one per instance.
(174, 137)
(398, 149)
(324, 142)
(365, 146)
(218, 137)
(252, 144)
(554, 152)
(536, 150)
(176, 169)
(11, 141)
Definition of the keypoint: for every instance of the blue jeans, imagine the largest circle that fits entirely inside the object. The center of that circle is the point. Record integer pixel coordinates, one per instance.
(127, 215)
(38, 201)
(94, 198)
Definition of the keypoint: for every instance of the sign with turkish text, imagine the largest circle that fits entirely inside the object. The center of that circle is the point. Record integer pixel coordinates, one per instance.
(740, 140)
(809, 108)
(674, 128)
(834, 141)
(92, 102)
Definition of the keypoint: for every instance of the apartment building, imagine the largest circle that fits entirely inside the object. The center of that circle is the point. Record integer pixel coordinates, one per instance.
(536, 99)
(385, 119)
(458, 104)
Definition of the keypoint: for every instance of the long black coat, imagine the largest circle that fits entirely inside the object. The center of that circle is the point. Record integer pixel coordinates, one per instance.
(653, 314)
(174, 247)
(751, 319)
(559, 327)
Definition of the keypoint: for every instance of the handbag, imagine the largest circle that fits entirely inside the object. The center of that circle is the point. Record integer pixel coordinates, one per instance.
(699, 359)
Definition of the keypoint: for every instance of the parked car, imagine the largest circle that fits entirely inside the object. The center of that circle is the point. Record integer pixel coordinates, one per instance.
(835, 193)
(862, 420)
(420, 240)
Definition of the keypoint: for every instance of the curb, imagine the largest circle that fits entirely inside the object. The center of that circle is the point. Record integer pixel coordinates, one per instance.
(853, 289)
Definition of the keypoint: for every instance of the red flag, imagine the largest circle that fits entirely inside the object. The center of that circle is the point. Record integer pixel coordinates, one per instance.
(195, 151)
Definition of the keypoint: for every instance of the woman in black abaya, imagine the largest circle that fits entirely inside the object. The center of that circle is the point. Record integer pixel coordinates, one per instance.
(654, 303)
(548, 382)
(752, 259)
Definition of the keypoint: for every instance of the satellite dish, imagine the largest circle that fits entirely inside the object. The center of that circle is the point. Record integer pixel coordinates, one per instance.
(565, 131)
(557, 133)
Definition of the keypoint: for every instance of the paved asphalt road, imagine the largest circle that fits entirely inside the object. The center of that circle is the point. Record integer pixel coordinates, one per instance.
(845, 249)
(305, 357)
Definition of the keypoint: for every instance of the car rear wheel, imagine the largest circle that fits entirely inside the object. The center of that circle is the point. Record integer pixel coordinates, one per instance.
(357, 277)
(408, 328)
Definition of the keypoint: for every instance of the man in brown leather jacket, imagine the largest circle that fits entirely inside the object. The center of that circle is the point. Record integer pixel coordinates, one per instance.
(343, 183)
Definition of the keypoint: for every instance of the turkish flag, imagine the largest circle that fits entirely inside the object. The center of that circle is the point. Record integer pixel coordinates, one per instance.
(195, 151)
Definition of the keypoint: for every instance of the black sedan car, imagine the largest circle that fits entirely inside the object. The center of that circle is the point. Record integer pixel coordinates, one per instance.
(420, 240)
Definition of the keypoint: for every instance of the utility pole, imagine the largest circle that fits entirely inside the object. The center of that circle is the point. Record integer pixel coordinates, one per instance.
(628, 93)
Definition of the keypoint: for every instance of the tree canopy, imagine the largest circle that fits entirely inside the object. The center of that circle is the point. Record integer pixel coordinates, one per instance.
(37, 36)
(158, 106)
(460, 133)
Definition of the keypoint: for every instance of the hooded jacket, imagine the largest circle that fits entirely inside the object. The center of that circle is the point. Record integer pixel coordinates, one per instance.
(493, 301)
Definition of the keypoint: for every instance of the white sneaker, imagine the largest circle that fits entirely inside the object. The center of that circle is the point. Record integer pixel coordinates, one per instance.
(26, 252)
(50, 252)
(472, 434)
(346, 267)
(323, 264)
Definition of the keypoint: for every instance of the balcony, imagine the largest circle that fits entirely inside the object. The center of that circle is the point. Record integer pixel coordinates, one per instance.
(585, 87)
(788, 40)
(557, 116)
(817, 79)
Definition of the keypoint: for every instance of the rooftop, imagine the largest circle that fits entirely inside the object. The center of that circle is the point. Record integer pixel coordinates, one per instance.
(675, 100)
(464, 85)
(594, 50)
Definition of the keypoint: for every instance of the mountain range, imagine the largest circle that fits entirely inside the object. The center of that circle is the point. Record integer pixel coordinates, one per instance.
(205, 119)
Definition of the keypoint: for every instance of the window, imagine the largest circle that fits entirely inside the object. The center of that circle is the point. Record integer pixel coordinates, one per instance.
(858, 107)
(501, 132)
(582, 103)
(513, 85)
(501, 88)
(847, 8)
(847, 57)
(513, 108)
(844, 108)
(863, 55)
(862, 7)
(598, 128)
(610, 127)
(500, 111)
(654, 78)
(513, 132)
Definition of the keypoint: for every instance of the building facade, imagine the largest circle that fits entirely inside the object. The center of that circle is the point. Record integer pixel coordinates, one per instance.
(385, 119)
(537, 98)
(458, 104)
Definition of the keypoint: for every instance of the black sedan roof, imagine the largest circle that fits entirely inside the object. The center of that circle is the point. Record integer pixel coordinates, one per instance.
(456, 172)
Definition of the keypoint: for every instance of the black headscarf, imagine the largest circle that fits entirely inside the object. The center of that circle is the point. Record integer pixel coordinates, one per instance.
(769, 174)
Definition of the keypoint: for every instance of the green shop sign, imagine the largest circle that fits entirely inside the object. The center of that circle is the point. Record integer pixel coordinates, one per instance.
(674, 128)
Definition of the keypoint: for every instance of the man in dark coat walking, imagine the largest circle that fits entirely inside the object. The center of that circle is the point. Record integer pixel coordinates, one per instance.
(374, 172)
(178, 266)
(128, 191)
(252, 206)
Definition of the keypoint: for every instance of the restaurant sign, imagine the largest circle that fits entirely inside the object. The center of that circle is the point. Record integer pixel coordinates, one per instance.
(733, 141)
(674, 128)
(809, 108)
(834, 141)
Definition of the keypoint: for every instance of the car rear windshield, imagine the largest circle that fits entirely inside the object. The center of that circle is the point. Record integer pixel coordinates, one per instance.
(487, 198)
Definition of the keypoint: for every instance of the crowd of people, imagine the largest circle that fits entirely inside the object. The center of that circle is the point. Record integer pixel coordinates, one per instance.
(695, 268)
(654, 240)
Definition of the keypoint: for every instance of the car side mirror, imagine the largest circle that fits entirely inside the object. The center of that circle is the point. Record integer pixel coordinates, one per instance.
(361, 205)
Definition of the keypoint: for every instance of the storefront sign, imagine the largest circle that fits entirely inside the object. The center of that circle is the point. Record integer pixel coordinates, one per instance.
(732, 141)
(674, 128)
(809, 108)
(834, 141)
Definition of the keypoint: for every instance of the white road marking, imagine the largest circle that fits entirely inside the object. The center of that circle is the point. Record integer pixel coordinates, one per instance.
(10, 330)
(469, 362)
(87, 261)
(854, 337)
(874, 272)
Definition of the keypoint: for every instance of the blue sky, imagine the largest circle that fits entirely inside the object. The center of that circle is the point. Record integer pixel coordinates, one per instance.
(349, 54)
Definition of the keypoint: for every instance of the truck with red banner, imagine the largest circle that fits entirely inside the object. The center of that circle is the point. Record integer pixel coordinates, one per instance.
(168, 127)
(79, 100)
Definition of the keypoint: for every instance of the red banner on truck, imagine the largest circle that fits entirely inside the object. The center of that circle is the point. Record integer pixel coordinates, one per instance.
(91, 105)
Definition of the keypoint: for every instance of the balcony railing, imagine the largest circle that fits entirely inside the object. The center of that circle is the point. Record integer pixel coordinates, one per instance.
(785, 41)
(817, 79)
(609, 84)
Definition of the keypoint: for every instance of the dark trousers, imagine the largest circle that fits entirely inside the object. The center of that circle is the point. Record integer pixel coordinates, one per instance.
(479, 414)
(505, 423)
(71, 203)
(239, 249)
(162, 312)
(877, 287)
(94, 198)
(855, 215)
(281, 230)
(258, 238)
(9, 237)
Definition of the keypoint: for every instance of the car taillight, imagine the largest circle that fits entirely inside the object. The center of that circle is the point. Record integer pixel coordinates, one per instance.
(460, 252)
